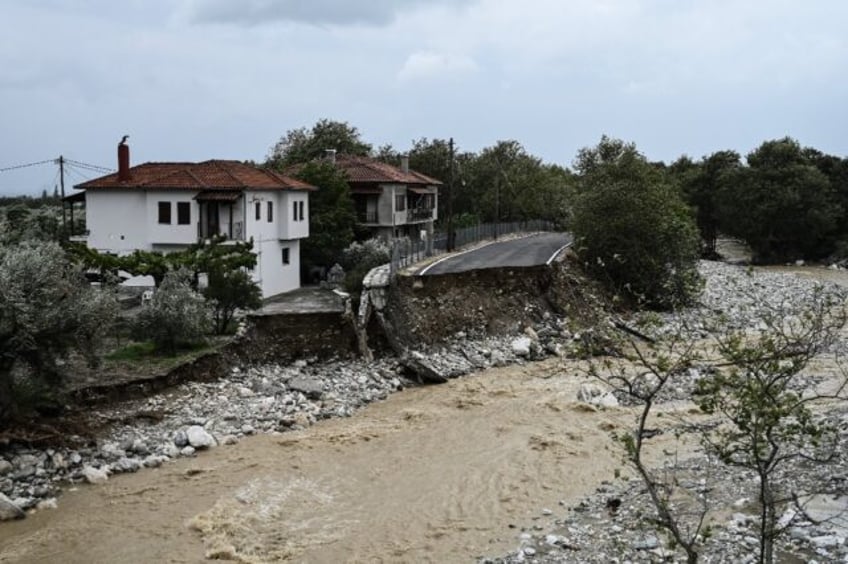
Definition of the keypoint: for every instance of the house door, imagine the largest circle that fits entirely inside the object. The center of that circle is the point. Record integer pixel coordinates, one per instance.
(213, 225)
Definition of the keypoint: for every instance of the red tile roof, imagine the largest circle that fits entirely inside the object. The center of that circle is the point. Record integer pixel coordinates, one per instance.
(365, 170)
(208, 175)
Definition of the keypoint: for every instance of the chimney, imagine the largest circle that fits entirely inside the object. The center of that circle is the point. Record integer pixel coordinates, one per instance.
(123, 160)
(330, 156)
(404, 163)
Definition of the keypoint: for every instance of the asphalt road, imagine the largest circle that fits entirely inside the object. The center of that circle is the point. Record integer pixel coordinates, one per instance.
(527, 251)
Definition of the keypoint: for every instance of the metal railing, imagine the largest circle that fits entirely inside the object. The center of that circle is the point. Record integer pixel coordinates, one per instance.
(406, 251)
(367, 216)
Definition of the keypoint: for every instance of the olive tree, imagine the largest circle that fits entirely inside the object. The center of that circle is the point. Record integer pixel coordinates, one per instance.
(177, 315)
(47, 311)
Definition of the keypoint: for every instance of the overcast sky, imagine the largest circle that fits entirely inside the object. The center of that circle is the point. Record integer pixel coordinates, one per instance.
(190, 80)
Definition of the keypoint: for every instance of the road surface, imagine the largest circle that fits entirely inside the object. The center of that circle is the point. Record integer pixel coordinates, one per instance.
(534, 250)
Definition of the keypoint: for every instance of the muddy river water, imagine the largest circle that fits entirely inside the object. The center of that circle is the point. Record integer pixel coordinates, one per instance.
(435, 474)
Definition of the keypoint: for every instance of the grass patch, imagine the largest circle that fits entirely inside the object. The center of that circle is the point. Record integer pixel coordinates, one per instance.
(145, 357)
(133, 351)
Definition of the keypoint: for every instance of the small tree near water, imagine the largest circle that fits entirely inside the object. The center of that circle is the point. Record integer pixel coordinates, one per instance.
(752, 380)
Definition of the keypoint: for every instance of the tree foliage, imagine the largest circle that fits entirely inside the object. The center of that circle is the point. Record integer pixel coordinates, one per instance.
(47, 310)
(303, 145)
(331, 216)
(701, 182)
(631, 227)
(176, 316)
(229, 291)
(781, 204)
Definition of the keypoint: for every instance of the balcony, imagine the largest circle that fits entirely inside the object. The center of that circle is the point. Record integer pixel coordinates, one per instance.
(237, 234)
(366, 216)
(419, 214)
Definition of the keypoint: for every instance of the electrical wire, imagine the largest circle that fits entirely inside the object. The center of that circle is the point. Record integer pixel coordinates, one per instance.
(16, 167)
(87, 166)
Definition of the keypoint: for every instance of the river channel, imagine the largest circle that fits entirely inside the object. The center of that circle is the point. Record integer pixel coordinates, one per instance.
(435, 474)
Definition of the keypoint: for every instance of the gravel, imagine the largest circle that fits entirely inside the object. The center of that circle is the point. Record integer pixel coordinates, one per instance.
(616, 523)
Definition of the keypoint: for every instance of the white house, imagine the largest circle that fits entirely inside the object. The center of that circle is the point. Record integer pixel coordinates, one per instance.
(168, 206)
(390, 201)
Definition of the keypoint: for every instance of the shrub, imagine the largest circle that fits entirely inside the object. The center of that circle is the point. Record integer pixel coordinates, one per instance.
(177, 315)
(359, 258)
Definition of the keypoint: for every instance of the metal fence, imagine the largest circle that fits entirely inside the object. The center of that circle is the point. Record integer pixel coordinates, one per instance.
(406, 251)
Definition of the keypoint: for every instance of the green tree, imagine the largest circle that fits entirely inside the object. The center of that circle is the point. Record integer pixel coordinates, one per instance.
(632, 228)
(302, 145)
(701, 182)
(331, 216)
(47, 310)
(228, 291)
(781, 204)
(176, 316)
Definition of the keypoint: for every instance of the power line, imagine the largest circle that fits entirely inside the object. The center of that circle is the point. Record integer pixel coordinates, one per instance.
(87, 166)
(16, 167)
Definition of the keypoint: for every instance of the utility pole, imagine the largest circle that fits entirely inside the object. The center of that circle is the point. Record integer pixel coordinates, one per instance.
(450, 243)
(497, 203)
(62, 185)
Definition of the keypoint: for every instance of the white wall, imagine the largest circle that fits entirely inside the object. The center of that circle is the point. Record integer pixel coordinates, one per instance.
(123, 221)
(270, 272)
(289, 227)
(116, 220)
(171, 233)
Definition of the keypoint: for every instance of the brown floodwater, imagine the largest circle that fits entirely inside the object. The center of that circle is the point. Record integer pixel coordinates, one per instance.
(433, 474)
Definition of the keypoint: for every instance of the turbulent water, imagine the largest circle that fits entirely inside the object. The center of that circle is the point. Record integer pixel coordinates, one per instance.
(435, 474)
(431, 474)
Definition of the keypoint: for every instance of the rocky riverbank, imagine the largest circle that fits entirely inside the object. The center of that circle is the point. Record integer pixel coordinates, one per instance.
(194, 416)
(614, 523)
(611, 524)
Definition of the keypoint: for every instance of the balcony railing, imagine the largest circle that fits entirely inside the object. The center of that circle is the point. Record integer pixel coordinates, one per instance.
(203, 231)
(367, 216)
(418, 214)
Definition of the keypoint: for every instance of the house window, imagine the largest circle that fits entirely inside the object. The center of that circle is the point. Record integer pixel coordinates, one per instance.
(270, 212)
(400, 202)
(294, 210)
(286, 255)
(183, 213)
(258, 211)
(300, 207)
(165, 213)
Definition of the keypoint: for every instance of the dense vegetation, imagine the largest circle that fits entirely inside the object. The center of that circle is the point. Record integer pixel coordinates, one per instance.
(631, 227)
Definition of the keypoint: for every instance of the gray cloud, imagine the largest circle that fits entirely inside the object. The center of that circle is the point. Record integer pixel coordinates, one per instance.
(314, 12)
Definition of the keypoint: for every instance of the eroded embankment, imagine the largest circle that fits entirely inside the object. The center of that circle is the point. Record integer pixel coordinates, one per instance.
(502, 301)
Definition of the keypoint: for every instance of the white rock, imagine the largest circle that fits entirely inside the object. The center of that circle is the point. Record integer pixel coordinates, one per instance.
(521, 346)
(187, 451)
(94, 475)
(154, 460)
(199, 438)
(126, 464)
(5, 467)
(9, 510)
(607, 400)
(47, 504)
(827, 541)
(229, 440)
